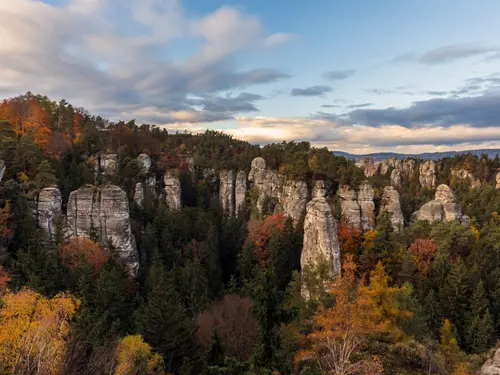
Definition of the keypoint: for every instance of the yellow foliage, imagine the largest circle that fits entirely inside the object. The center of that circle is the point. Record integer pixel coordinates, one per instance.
(135, 357)
(448, 343)
(462, 369)
(475, 231)
(369, 239)
(34, 331)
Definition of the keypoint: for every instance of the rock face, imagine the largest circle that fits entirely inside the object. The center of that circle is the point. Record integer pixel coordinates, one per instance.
(172, 191)
(367, 206)
(145, 161)
(266, 181)
(226, 191)
(368, 166)
(319, 189)
(48, 208)
(139, 194)
(492, 365)
(149, 183)
(2, 169)
(466, 176)
(240, 190)
(396, 178)
(390, 203)
(107, 164)
(104, 212)
(294, 199)
(428, 174)
(320, 236)
(497, 179)
(349, 206)
(443, 208)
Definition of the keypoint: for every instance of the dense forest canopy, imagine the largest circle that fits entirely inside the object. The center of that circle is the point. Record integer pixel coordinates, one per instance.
(224, 294)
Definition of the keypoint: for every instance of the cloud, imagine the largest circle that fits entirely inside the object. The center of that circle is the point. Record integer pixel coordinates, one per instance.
(319, 90)
(362, 105)
(452, 52)
(277, 39)
(335, 75)
(331, 106)
(95, 61)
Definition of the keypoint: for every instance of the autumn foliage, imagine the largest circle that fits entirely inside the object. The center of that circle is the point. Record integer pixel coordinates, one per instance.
(81, 249)
(134, 356)
(34, 332)
(4, 279)
(350, 238)
(423, 249)
(259, 232)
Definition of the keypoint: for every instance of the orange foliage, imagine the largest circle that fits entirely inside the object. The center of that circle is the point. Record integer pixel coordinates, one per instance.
(4, 279)
(369, 239)
(82, 249)
(58, 143)
(423, 249)
(34, 332)
(259, 232)
(350, 238)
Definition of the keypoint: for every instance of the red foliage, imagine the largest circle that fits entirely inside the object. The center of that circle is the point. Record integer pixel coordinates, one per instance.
(79, 249)
(423, 249)
(4, 279)
(350, 238)
(259, 232)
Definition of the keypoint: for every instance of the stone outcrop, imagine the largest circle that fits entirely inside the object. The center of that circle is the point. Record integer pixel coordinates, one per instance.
(139, 194)
(266, 181)
(320, 236)
(2, 169)
(48, 208)
(396, 178)
(108, 164)
(349, 206)
(427, 175)
(104, 212)
(368, 166)
(319, 189)
(390, 203)
(497, 179)
(240, 189)
(149, 182)
(145, 162)
(294, 199)
(466, 176)
(492, 365)
(367, 206)
(172, 190)
(226, 191)
(442, 208)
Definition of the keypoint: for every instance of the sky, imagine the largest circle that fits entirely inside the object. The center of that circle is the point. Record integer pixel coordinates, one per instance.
(358, 76)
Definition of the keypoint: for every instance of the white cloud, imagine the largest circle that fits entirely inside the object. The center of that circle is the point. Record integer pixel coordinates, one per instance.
(277, 39)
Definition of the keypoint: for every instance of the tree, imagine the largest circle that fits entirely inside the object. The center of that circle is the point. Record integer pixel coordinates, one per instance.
(424, 249)
(135, 357)
(259, 233)
(480, 330)
(45, 176)
(34, 332)
(79, 250)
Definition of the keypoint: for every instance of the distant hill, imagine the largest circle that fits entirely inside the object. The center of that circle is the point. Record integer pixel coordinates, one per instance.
(425, 156)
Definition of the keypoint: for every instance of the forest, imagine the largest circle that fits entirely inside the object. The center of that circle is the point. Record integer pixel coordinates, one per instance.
(218, 293)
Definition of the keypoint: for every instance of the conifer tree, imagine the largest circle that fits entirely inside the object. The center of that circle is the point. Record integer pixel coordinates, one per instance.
(480, 330)
(432, 311)
(45, 176)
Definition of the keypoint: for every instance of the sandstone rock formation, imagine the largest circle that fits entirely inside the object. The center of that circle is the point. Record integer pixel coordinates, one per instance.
(266, 181)
(319, 189)
(427, 176)
(2, 169)
(368, 166)
(367, 206)
(349, 206)
(145, 161)
(320, 236)
(139, 194)
(390, 203)
(226, 191)
(492, 365)
(396, 178)
(240, 189)
(294, 199)
(497, 179)
(172, 190)
(108, 164)
(466, 176)
(104, 212)
(149, 182)
(48, 208)
(443, 208)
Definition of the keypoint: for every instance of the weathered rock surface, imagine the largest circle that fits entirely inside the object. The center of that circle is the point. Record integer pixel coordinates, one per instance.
(492, 365)
(427, 176)
(240, 189)
(265, 180)
(466, 176)
(2, 169)
(145, 161)
(396, 178)
(367, 206)
(48, 208)
(226, 191)
(172, 190)
(108, 164)
(390, 203)
(139, 194)
(319, 189)
(349, 206)
(294, 199)
(443, 208)
(320, 236)
(368, 166)
(104, 212)
(497, 179)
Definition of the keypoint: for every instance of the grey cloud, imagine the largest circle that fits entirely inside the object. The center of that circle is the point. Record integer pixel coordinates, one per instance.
(311, 91)
(477, 111)
(331, 106)
(336, 75)
(241, 103)
(362, 105)
(452, 52)
(437, 93)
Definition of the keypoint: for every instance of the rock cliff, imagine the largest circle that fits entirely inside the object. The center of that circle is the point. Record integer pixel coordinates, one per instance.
(320, 236)
(2, 169)
(443, 208)
(396, 178)
(108, 164)
(172, 190)
(390, 203)
(265, 181)
(294, 199)
(104, 213)
(148, 182)
(226, 191)
(240, 189)
(349, 206)
(145, 162)
(368, 166)
(466, 176)
(427, 176)
(367, 206)
(48, 208)
(497, 179)
(492, 365)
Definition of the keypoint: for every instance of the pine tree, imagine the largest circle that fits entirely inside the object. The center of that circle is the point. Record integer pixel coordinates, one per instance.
(408, 269)
(45, 175)
(480, 330)
(162, 318)
(433, 315)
